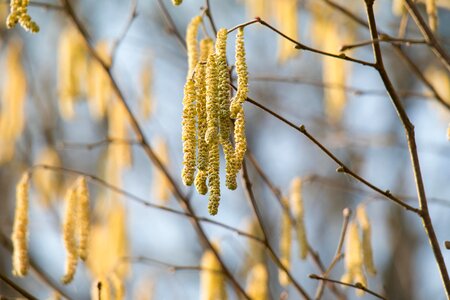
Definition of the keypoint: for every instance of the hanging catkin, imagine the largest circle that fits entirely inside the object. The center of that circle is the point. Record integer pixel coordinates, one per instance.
(224, 113)
(211, 137)
(240, 139)
(200, 87)
(285, 245)
(189, 133)
(212, 283)
(160, 184)
(286, 18)
(432, 14)
(192, 44)
(69, 235)
(19, 235)
(258, 282)
(354, 257)
(82, 194)
(12, 101)
(363, 221)
(241, 69)
(297, 207)
(19, 14)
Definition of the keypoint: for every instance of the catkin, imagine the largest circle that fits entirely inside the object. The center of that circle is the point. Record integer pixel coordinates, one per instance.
(19, 14)
(224, 112)
(189, 133)
(297, 206)
(240, 139)
(200, 87)
(211, 137)
(12, 101)
(432, 14)
(177, 2)
(161, 185)
(82, 194)
(146, 98)
(285, 246)
(212, 283)
(258, 282)
(69, 235)
(241, 69)
(287, 20)
(354, 257)
(363, 221)
(192, 44)
(19, 235)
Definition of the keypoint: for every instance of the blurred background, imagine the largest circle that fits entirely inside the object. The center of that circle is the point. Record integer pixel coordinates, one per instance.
(343, 104)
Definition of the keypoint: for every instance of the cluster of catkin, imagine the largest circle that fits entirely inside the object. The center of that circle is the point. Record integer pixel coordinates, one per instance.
(212, 280)
(75, 227)
(296, 202)
(208, 113)
(358, 250)
(19, 14)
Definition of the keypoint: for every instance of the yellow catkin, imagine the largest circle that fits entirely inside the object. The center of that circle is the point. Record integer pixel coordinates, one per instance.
(354, 257)
(69, 235)
(19, 14)
(258, 282)
(192, 44)
(82, 193)
(285, 246)
(200, 87)
(118, 285)
(99, 88)
(298, 209)
(441, 82)
(448, 132)
(72, 66)
(146, 102)
(12, 101)
(224, 113)
(257, 8)
(177, 2)
(287, 20)
(432, 14)
(398, 8)
(118, 130)
(189, 133)
(212, 136)
(240, 139)
(242, 73)
(212, 283)
(19, 235)
(47, 182)
(363, 221)
(161, 185)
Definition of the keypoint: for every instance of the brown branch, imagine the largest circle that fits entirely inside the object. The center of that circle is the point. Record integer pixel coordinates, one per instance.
(410, 136)
(208, 12)
(247, 185)
(170, 267)
(436, 47)
(16, 287)
(409, 62)
(358, 285)
(116, 43)
(342, 167)
(302, 46)
(384, 39)
(171, 24)
(338, 255)
(279, 196)
(100, 143)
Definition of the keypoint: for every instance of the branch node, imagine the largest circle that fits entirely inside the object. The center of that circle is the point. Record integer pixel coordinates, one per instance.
(302, 128)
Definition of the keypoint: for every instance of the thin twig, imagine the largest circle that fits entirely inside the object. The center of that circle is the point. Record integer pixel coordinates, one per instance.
(118, 41)
(16, 287)
(384, 39)
(410, 137)
(171, 24)
(338, 255)
(358, 285)
(342, 167)
(438, 50)
(170, 267)
(247, 185)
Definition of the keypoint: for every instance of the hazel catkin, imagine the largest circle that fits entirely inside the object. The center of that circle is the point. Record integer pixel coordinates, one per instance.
(241, 69)
(192, 44)
(19, 235)
(189, 133)
(69, 235)
(82, 194)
